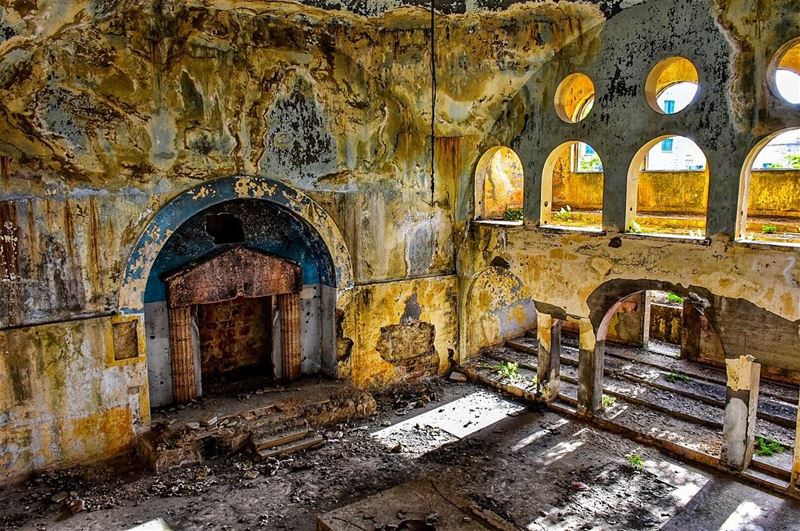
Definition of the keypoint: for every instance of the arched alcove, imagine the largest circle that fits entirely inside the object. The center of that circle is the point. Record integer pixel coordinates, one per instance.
(499, 185)
(229, 334)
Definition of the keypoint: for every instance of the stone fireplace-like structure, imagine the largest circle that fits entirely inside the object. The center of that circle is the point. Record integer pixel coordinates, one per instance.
(236, 273)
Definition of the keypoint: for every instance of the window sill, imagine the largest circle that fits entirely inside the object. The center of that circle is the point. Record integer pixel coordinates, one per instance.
(566, 228)
(498, 222)
(763, 243)
(677, 238)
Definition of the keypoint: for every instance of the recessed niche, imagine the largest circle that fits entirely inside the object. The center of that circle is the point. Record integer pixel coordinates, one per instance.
(498, 185)
(574, 98)
(672, 85)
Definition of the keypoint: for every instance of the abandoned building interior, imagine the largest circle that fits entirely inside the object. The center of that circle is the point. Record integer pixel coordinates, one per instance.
(394, 264)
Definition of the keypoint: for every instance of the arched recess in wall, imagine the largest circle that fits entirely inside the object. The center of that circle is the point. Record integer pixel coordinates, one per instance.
(496, 309)
(181, 208)
(672, 85)
(261, 220)
(668, 188)
(499, 182)
(784, 73)
(769, 202)
(572, 187)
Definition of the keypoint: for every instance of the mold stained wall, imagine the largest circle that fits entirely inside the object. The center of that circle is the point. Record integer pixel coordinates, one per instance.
(110, 109)
(751, 292)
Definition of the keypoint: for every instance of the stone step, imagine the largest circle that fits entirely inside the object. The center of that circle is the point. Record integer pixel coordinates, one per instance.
(264, 443)
(310, 441)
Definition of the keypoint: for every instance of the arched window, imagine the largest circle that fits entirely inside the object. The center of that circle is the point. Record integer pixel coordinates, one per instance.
(672, 85)
(572, 187)
(668, 188)
(574, 98)
(771, 190)
(786, 80)
(499, 184)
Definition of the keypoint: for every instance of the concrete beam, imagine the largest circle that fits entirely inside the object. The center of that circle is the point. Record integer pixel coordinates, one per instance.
(549, 365)
(741, 403)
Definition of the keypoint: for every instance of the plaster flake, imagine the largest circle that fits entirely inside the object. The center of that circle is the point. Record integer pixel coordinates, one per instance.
(739, 372)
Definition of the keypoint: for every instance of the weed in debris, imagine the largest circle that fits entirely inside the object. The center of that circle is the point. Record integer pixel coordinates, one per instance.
(635, 461)
(608, 401)
(508, 369)
(674, 376)
(768, 447)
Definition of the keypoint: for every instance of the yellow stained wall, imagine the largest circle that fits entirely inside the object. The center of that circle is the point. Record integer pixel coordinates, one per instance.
(369, 308)
(65, 397)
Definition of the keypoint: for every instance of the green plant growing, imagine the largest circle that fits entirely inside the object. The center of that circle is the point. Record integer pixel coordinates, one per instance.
(794, 161)
(769, 229)
(534, 381)
(677, 299)
(608, 401)
(635, 461)
(565, 214)
(676, 377)
(768, 447)
(592, 163)
(513, 214)
(635, 227)
(508, 369)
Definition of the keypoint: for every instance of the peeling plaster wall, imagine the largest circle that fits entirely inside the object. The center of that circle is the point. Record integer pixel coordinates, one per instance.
(120, 120)
(731, 43)
(117, 119)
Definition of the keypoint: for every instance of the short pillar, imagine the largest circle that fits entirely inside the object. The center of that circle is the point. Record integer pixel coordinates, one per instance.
(590, 370)
(549, 363)
(289, 307)
(741, 406)
(181, 346)
(795, 481)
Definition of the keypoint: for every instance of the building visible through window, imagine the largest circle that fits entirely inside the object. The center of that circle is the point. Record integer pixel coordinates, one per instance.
(782, 153)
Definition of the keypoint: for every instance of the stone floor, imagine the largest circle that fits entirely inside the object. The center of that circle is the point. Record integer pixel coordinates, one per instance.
(504, 462)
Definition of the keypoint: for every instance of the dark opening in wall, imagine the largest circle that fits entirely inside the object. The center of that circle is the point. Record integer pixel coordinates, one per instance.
(224, 228)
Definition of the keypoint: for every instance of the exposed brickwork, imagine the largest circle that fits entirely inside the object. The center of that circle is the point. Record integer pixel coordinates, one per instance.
(234, 335)
(238, 272)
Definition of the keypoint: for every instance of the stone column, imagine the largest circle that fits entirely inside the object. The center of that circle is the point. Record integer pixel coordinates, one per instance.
(590, 370)
(741, 406)
(645, 298)
(795, 482)
(289, 307)
(691, 332)
(549, 364)
(181, 347)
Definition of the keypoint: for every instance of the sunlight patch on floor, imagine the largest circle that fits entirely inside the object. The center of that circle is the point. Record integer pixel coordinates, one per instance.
(153, 525)
(743, 518)
(538, 434)
(448, 423)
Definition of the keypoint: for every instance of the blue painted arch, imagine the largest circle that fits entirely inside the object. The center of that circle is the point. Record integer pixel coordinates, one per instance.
(188, 204)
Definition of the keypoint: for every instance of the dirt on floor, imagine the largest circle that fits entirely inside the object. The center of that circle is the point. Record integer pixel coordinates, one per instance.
(532, 468)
